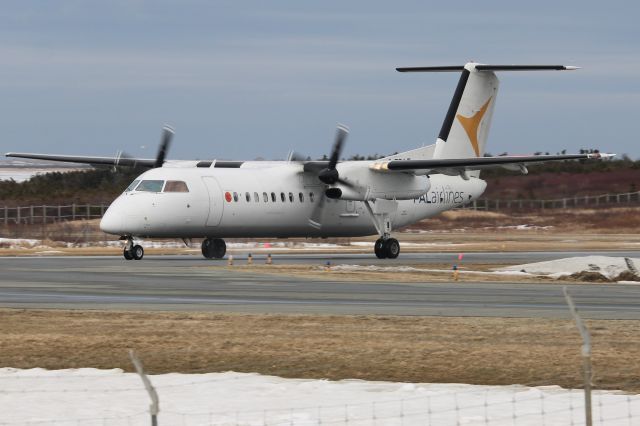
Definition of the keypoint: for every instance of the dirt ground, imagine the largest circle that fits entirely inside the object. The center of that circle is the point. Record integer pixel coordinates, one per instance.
(495, 351)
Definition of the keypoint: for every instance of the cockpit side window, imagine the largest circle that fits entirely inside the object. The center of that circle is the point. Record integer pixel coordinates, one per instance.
(132, 186)
(150, 186)
(176, 186)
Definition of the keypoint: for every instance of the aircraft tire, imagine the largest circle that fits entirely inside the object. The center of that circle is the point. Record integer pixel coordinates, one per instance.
(213, 248)
(219, 248)
(379, 249)
(137, 252)
(207, 248)
(127, 254)
(392, 248)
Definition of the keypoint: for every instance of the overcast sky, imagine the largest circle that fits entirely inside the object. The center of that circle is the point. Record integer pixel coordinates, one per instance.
(241, 79)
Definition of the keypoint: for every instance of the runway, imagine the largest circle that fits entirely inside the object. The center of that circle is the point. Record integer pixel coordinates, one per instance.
(188, 283)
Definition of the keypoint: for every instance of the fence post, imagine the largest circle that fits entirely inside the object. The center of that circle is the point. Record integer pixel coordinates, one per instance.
(18, 218)
(73, 211)
(154, 408)
(88, 211)
(44, 215)
(59, 212)
(31, 214)
(6, 215)
(586, 356)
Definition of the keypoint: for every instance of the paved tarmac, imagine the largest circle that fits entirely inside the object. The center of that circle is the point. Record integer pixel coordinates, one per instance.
(186, 283)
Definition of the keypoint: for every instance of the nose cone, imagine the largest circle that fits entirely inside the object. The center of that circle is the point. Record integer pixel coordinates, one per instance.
(111, 222)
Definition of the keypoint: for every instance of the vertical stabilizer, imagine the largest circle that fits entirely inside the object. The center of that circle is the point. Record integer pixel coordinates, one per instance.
(466, 126)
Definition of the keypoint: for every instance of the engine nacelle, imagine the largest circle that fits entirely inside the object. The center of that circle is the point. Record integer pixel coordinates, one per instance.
(341, 192)
(386, 187)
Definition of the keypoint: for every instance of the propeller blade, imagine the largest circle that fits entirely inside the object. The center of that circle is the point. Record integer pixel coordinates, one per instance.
(167, 135)
(346, 183)
(315, 220)
(341, 134)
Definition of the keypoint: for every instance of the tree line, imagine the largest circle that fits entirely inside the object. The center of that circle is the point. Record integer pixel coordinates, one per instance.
(102, 185)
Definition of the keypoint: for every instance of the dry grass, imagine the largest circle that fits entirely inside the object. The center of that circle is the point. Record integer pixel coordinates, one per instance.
(614, 220)
(414, 349)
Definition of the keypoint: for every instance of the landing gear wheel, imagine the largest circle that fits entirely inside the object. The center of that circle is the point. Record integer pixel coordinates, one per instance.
(378, 248)
(213, 248)
(392, 248)
(137, 252)
(127, 254)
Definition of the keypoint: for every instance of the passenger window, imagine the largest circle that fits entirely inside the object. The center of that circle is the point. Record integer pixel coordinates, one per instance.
(150, 186)
(311, 197)
(265, 198)
(132, 186)
(256, 197)
(247, 196)
(291, 197)
(273, 197)
(176, 186)
(235, 197)
(301, 196)
(282, 196)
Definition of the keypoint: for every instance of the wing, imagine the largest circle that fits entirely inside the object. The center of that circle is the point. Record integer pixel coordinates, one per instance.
(455, 166)
(95, 161)
(119, 160)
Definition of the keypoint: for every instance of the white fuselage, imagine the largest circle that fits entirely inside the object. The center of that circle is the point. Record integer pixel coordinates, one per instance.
(239, 202)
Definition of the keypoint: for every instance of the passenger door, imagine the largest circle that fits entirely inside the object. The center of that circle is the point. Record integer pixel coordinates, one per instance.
(216, 203)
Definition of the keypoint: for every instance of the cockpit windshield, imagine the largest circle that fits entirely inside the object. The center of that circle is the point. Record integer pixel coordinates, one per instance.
(150, 186)
(176, 186)
(132, 186)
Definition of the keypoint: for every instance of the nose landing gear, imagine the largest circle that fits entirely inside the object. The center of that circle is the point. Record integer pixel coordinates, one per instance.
(213, 248)
(131, 251)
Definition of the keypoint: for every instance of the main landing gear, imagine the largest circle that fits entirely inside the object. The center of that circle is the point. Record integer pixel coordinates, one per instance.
(131, 251)
(386, 248)
(213, 248)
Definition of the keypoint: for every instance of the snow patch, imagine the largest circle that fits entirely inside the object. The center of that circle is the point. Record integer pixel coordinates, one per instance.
(90, 396)
(608, 266)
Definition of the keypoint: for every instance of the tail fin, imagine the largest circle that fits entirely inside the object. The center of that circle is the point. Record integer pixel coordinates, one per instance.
(466, 126)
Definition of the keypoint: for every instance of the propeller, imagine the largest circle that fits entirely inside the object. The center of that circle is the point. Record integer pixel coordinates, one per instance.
(122, 159)
(330, 175)
(167, 135)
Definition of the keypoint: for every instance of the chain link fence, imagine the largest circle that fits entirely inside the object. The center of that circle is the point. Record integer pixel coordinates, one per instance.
(43, 214)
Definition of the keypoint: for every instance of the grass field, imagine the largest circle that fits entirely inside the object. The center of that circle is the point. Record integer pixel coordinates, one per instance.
(414, 349)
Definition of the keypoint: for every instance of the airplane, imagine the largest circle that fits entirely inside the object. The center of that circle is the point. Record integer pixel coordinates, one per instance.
(219, 199)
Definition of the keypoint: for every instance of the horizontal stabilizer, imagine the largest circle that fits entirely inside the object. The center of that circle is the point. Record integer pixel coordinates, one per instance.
(484, 67)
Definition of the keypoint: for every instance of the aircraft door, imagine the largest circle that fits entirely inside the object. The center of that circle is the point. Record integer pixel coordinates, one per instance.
(216, 203)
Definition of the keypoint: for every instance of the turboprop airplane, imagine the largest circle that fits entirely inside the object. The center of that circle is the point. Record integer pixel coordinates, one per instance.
(294, 198)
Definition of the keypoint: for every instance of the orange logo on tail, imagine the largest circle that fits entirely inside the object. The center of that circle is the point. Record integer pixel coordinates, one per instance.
(471, 125)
